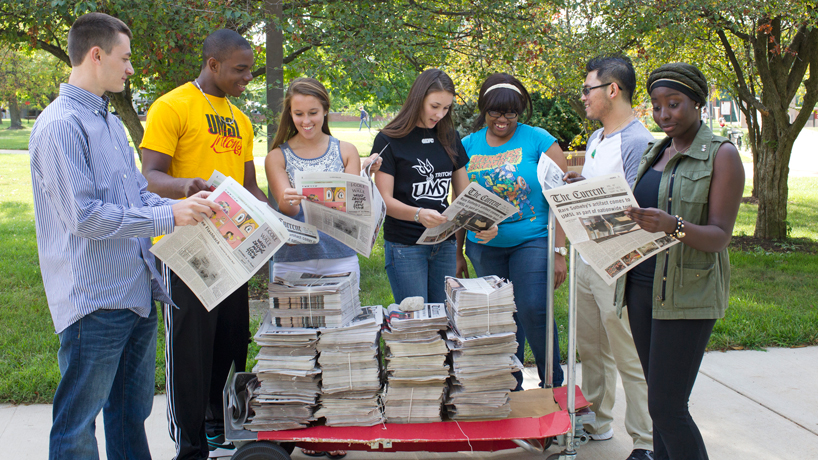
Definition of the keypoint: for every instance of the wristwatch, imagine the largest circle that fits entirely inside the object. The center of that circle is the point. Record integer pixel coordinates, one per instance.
(561, 251)
(417, 215)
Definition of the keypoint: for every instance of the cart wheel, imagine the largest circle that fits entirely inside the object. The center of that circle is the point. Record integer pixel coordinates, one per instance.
(262, 450)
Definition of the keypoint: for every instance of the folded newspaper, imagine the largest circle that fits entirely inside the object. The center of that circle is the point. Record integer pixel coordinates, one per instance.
(220, 254)
(483, 344)
(415, 364)
(307, 300)
(346, 207)
(300, 232)
(592, 213)
(350, 371)
(288, 378)
(476, 209)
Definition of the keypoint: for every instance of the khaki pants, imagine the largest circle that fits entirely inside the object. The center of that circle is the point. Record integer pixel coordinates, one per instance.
(605, 345)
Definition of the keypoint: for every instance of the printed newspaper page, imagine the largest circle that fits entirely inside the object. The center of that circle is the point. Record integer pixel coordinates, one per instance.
(347, 207)
(592, 213)
(217, 256)
(300, 232)
(475, 209)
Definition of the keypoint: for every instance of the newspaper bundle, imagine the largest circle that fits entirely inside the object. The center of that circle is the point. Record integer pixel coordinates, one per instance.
(300, 232)
(592, 213)
(483, 344)
(288, 378)
(476, 209)
(480, 306)
(351, 371)
(416, 364)
(307, 300)
(220, 254)
(346, 207)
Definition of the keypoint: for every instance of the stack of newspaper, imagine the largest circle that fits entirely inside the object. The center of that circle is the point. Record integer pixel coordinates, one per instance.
(483, 343)
(481, 306)
(416, 364)
(305, 300)
(288, 376)
(351, 371)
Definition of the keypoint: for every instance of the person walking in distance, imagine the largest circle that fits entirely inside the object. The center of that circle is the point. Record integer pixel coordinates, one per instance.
(364, 119)
(603, 338)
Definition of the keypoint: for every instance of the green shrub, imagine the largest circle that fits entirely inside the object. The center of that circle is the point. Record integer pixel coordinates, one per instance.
(557, 117)
(652, 126)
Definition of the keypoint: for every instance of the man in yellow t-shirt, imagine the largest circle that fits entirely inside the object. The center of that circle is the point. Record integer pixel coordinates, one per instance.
(192, 131)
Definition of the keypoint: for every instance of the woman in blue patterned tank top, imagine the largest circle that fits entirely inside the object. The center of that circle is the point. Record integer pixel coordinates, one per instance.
(303, 143)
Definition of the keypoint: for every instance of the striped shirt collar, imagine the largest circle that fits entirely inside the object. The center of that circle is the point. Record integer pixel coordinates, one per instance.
(88, 99)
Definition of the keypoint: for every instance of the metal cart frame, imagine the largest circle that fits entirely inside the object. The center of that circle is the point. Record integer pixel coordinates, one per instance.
(535, 434)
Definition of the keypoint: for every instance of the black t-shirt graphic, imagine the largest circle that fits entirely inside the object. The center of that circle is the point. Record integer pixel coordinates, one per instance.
(422, 172)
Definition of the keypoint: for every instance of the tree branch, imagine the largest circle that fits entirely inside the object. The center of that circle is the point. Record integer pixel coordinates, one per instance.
(287, 59)
(743, 90)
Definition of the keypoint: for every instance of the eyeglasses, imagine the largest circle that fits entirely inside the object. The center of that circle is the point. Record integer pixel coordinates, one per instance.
(587, 90)
(507, 115)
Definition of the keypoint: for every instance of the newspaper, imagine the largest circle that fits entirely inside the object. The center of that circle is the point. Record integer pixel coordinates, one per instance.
(592, 213)
(346, 207)
(549, 174)
(476, 209)
(219, 255)
(300, 232)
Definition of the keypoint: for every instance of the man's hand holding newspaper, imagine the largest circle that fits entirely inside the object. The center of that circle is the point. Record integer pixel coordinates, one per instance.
(220, 253)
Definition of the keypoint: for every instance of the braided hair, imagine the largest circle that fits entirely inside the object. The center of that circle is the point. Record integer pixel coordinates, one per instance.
(680, 76)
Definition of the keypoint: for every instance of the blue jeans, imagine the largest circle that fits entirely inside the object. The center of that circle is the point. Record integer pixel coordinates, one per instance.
(362, 123)
(525, 265)
(107, 361)
(420, 269)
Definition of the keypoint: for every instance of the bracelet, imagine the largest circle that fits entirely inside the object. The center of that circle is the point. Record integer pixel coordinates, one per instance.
(417, 215)
(679, 233)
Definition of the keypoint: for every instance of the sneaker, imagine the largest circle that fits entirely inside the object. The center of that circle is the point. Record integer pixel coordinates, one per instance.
(641, 454)
(602, 436)
(218, 447)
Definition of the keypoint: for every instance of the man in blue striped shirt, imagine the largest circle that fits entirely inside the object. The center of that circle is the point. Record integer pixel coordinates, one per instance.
(94, 217)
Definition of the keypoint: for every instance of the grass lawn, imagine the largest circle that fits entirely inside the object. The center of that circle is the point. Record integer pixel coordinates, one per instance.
(773, 296)
(15, 139)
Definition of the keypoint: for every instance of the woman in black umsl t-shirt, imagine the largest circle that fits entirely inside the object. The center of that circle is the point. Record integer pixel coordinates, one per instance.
(423, 157)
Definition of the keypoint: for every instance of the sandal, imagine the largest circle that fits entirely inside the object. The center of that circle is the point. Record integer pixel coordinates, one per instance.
(311, 453)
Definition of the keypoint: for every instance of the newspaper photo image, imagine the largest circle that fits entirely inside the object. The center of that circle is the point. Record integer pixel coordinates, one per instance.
(300, 232)
(219, 255)
(476, 209)
(592, 213)
(347, 207)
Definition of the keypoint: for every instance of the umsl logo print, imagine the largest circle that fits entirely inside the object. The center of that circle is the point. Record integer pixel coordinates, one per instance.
(431, 188)
(228, 139)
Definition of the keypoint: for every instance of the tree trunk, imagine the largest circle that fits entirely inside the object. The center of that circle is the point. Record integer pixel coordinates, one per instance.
(14, 114)
(274, 75)
(770, 176)
(124, 106)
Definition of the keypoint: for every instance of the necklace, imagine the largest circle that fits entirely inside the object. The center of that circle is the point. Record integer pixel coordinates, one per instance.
(629, 119)
(229, 106)
(673, 144)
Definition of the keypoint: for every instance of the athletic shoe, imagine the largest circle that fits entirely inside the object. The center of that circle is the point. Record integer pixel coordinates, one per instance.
(602, 436)
(641, 454)
(218, 446)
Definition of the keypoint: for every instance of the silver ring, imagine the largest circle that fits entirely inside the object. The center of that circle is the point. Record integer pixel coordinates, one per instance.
(292, 202)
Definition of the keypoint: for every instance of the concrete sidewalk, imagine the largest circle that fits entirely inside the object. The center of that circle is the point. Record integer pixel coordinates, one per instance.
(748, 404)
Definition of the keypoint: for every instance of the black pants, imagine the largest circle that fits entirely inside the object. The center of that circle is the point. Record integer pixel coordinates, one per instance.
(671, 352)
(200, 346)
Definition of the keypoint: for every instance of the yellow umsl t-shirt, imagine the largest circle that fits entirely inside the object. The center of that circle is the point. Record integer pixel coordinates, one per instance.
(182, 124)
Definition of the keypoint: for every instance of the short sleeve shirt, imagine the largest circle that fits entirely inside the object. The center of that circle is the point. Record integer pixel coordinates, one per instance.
(423, 173)
(510, 172)
(183, 125)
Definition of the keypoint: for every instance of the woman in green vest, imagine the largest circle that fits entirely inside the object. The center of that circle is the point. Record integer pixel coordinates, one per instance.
(689, 185)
